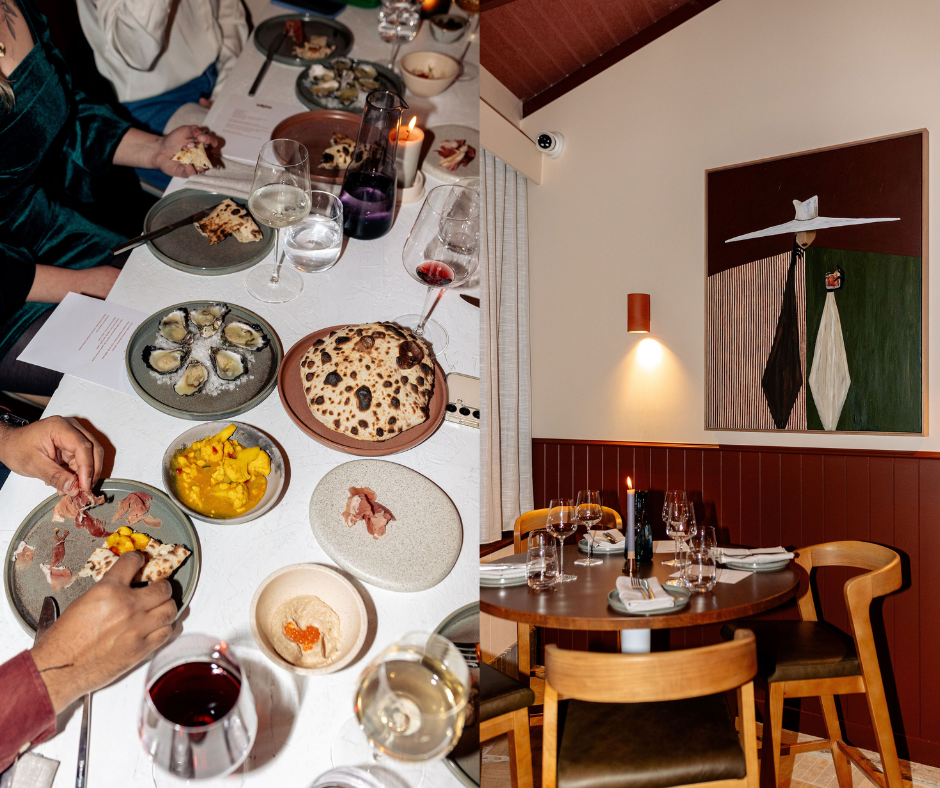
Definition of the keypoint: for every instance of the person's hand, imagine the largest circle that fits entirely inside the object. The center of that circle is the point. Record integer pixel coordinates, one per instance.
(204, 102)
(98, 281)
(104, 633)
(58, 451)
(179, 139)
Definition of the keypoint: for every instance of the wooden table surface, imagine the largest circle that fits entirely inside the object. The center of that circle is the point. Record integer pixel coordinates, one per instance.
(582, 603)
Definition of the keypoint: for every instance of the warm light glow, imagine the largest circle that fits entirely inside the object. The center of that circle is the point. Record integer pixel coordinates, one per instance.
(649, 353)
(411, 126)
(629, 483)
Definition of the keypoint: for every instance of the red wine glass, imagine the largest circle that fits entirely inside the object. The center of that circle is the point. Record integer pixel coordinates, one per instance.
(442, 251)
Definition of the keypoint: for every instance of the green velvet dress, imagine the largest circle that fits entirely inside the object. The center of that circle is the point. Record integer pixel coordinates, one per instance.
(54, 144)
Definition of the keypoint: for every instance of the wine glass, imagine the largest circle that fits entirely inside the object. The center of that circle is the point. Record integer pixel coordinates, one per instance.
(541, 564)
(561, 522)
(197, 719)
(280, 197)
(673, 507)
(398, 24)
(589, 513)
(441, 252)
(469, 71)
(681, 527)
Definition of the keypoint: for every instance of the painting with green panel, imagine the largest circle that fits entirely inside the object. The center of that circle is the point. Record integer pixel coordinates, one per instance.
(880, 307)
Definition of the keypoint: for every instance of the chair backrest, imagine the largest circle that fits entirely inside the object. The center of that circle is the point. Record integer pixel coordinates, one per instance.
(530, 521)
(641, 678)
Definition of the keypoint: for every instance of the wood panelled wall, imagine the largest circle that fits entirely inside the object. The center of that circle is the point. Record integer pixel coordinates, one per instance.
(762, 497)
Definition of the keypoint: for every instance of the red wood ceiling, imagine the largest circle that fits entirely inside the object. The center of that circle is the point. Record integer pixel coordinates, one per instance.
(541, 49)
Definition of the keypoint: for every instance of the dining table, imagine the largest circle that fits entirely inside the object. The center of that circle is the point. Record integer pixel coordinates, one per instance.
(298, 716)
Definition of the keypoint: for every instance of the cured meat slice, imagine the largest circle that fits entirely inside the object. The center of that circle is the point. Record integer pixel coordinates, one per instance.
(59, 577)
(23, 555)
(69, 506)
(150, 520)
(135, 506)
(361, 505)
(94, 527)
(58, 549)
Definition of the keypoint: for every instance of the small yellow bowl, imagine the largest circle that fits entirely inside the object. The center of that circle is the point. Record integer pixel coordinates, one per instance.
(444, 67)
(310, 580)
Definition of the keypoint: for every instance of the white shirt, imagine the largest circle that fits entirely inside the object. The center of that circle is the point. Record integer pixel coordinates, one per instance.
(142, 58)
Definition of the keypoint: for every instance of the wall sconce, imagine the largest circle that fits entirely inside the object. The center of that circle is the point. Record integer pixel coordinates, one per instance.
(638, 313)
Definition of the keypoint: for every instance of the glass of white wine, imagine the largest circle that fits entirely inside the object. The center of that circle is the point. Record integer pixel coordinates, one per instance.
(280, 197)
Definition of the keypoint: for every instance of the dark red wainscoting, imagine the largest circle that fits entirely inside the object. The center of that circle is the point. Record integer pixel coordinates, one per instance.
(766, 496)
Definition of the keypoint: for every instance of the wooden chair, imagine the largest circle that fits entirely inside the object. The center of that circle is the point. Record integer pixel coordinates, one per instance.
(504, 708)
(651, 720)
(531, 521)
(810, 658)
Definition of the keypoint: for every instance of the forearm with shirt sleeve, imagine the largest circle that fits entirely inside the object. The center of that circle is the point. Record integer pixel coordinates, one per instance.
(136, 29)
(26, 713)
(234, 27)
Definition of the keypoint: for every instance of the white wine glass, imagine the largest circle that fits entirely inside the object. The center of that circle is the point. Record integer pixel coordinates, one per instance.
(589, 511)
(673, 507)
(681, 527)
(561, 522)
(398, 24)
(280, 197)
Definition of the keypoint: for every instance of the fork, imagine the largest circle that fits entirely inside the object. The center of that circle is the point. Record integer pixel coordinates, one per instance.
(470, 652)
(638, 582)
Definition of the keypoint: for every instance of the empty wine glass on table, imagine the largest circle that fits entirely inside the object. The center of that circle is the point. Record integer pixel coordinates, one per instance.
(280, 197)
(197, 719)
(315, 244)
(398, 24)
(673, 508)
(589, 512)
(561, 522)
(681, 528)
(441, 252)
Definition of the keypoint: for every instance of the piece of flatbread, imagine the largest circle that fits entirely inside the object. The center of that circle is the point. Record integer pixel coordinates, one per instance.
(162, 561)
(339, 155)
(229, 218)
(314, 48)
(195, 156)
(370, 381)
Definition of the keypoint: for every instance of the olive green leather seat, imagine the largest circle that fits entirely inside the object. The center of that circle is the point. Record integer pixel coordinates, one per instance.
(799, 650)
(501, 694)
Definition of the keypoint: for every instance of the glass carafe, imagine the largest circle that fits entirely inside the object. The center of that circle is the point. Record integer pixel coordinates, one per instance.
(368, 194)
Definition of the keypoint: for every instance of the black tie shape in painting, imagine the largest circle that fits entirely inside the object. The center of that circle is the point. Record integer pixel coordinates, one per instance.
(783, 375)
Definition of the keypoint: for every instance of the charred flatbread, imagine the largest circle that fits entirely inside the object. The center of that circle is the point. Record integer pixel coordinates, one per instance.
(339, 155)
(162, 561)
(370, 381)
(195, 156)
(229, 218)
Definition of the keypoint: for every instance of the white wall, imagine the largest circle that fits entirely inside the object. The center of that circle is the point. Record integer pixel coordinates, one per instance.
(623, 209)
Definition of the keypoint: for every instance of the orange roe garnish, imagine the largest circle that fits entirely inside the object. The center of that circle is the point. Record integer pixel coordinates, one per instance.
(305, 638)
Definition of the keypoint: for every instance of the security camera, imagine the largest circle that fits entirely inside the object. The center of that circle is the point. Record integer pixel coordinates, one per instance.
(551, 143)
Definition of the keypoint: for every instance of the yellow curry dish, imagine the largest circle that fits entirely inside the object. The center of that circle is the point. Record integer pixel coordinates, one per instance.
(220, 478)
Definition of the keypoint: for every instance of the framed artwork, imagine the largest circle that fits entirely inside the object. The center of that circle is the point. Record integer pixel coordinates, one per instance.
(816, 290)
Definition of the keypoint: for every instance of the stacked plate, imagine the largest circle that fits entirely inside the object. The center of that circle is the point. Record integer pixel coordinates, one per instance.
(601, 545)
(502, 575)
(760, 560)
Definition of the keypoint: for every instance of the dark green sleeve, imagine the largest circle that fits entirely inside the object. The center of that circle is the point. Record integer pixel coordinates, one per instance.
(19, 270)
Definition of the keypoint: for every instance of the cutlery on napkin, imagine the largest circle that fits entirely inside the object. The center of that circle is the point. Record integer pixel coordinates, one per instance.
(634, 601)
(760, 555)
(610, 537)
(501, 570)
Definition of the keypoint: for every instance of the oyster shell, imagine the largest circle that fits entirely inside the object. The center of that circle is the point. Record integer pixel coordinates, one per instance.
(208, 319)
(165, 361)
(228, 364)
(365, 70)
(341, 64)
(193, 379)
(370, 84)
(324, 88)
(244, 335)
(173, 327)
(319, 73)
(348, 95)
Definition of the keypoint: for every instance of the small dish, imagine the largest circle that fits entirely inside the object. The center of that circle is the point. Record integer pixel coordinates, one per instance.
(748, 566)
(682, 596)
(247, 436)
(444, 67)
(602, 546)
(447, 28)
(310, 580)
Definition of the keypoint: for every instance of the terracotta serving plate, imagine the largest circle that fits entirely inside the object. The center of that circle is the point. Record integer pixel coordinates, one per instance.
(313, 130)
(291, 390)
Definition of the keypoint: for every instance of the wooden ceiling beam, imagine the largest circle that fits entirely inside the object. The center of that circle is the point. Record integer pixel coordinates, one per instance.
(646, 36)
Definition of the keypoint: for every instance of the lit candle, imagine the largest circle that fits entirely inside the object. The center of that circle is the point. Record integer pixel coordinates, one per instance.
(409, 149)
(631, 526)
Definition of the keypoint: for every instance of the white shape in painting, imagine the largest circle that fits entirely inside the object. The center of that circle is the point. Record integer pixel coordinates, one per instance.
(807, 220)
(829, 378)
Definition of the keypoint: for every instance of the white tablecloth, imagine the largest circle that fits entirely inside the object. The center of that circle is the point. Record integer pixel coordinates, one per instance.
(298, 718)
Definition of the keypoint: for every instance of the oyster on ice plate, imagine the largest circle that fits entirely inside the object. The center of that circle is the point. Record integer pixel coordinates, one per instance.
(244, 335)
(173, 327)
(165, 361)
(208, 318)
(228, 364)
(193, 379)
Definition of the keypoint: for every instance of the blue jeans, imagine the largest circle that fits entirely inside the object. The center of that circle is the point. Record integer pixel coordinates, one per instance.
(153, 113)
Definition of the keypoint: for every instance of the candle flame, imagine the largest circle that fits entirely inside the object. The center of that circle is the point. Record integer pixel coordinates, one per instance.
(629, 483)
(411, 126)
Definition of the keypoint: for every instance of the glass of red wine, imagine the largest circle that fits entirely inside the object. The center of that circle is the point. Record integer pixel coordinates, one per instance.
(197, 719)
(442, 251)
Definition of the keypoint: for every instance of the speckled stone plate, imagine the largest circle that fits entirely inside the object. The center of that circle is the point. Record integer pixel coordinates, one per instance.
(26, 588)
(186, 249)
(238, 397)
(421, 544)
(437, 135)
(338, 35)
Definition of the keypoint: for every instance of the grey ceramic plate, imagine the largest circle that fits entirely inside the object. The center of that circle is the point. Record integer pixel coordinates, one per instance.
(750, 567)
(388, 79)
(186, 249)
(420, 546)
(503, 582)
(269, 30)
(26, 588)
(681, 594)
(602, 546)
(438, 134)
(463, 626)
(238, 397)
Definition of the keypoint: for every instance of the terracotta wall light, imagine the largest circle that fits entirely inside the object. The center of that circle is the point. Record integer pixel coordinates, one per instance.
(638, 313)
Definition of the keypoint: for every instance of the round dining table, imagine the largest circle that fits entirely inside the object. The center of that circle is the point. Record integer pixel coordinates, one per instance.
(582, 603)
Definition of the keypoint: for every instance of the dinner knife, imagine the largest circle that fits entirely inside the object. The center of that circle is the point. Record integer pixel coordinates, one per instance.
(47, 616)
(472, 300)
(272, 50)
(142, 239)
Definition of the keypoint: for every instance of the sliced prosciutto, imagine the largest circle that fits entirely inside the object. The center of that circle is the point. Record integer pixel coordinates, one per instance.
(362, 506)
(69, 506)
(150, 520)
(59, 577)
(135, 506)
(23, 555)
(94, 527)
(58, 549)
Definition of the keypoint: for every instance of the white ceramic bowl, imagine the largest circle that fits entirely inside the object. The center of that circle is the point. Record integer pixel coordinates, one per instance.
(424, 87)
(247, 436)
(444, 35)
(310, 580)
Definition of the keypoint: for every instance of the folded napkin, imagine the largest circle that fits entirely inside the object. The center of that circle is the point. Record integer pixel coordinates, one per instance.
(233, 178)
(634, 600)
(760, 555)
(502, 570)
(600, 543)
(32, 770)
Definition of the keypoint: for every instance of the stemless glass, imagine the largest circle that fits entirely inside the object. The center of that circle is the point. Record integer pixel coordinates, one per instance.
(315, 244)
(441, 252)
(589, 513)
(541, 565)
(561, 522)
(673, 508)
(700, 572)
(280, 197)
(197, 718)
(398, 24)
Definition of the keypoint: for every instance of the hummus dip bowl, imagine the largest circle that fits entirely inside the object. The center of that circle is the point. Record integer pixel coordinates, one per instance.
(310, 580)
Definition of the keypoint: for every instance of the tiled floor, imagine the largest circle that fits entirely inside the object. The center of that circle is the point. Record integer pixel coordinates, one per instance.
(806, 770)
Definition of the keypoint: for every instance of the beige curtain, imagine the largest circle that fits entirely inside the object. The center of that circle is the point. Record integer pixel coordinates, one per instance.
(506, 432)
